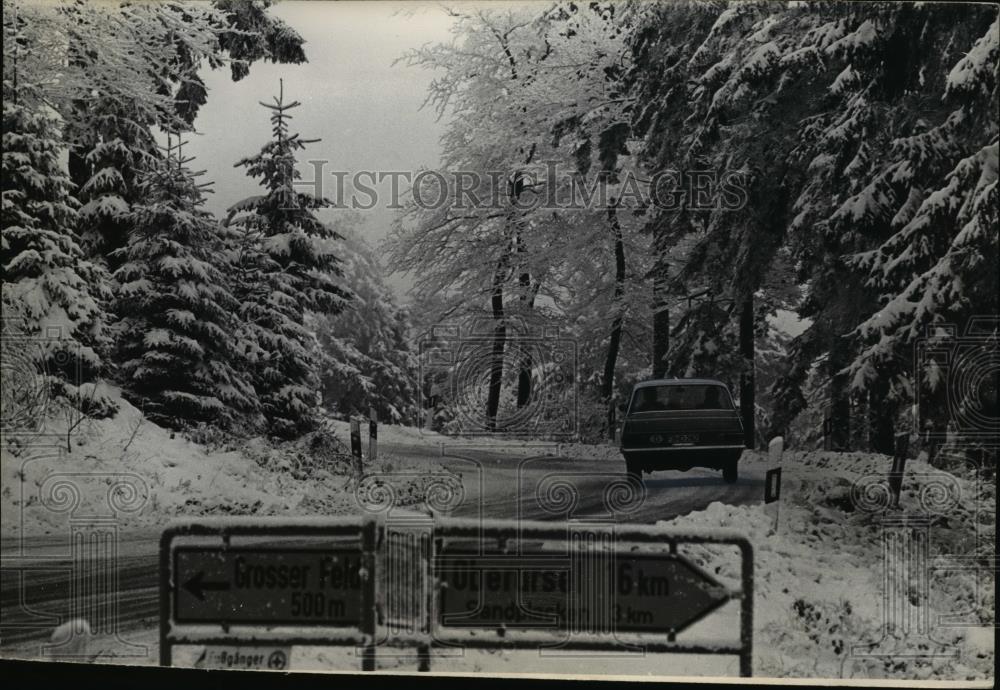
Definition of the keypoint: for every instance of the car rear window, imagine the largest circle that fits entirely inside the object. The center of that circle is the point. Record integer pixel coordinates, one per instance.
(680, 397)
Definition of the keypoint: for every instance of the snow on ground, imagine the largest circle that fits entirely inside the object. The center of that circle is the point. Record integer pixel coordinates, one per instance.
(142, 474)
(819, 576)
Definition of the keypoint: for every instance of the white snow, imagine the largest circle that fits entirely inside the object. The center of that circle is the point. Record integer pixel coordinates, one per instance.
(863, 37)
(978, 63)
(818, 578)
(171, 475)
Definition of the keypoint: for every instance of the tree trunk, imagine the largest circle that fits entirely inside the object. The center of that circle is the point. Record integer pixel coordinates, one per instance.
(607, 388)
(840, 399)
(747, 383)
(499, 343)
(527, 302)
(882, 418)
(661, 328)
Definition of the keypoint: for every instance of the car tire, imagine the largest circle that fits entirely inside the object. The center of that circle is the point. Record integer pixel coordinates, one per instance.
(633, 470)
(729, 472)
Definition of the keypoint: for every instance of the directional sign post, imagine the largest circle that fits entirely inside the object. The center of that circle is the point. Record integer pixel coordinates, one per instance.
(547, 594)
(249, 590)
(234, 584)
(658, 593)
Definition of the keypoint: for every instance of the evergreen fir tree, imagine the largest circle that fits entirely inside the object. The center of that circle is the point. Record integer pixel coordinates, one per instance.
(47, 284)
(118, 148)
(180, 358)
(366, 359)
(866, 157)
(286, 267)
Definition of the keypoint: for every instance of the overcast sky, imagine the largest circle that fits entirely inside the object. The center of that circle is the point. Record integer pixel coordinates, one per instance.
(366, 111)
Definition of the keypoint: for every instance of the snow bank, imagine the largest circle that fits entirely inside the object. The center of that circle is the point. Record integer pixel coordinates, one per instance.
(140, 474)
(819, 576)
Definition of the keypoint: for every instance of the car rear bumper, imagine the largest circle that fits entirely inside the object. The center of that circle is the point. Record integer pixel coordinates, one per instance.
(674, 449)
(683, 457)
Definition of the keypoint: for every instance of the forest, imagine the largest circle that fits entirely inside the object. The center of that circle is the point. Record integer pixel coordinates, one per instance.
(831, 165)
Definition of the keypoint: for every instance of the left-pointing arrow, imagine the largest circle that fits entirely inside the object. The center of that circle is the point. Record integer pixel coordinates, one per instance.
(197, 585)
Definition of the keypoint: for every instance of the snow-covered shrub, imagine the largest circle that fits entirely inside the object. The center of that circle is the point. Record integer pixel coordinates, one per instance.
(212, 437)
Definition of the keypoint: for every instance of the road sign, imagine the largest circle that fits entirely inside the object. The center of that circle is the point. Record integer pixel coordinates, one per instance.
(619, 587)
(245, 658)
(242, 582)
(250, 589)
(295, 586)
(643, 592)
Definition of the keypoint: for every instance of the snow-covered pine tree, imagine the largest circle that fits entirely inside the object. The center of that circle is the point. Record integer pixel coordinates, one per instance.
(880, 150)
(286, 266)
(255, 35)
(367, 359)
(48, 285)
(869, 138)
(134, 68)
(721, 101)
(180, 359)
(939, 266)
(120, 150)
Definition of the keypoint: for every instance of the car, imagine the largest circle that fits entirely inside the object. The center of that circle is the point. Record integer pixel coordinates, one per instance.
(677, 424)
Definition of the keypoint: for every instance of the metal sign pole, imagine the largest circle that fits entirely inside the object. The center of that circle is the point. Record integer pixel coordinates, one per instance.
(166, 586)
(746, 610)
(369, 619)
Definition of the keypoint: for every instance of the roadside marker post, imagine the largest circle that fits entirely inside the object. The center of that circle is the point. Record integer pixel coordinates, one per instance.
(356, 447)
(776, 449)
(249, 590)
(372, 435)
(772, 493)
(901, 449)
(772, 478)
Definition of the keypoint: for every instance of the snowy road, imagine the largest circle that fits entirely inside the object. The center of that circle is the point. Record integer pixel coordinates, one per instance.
(37, 579)
(538, 487)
